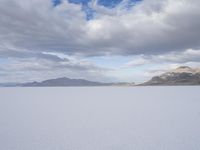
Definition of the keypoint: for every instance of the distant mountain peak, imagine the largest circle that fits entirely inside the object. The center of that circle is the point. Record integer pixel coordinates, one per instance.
(185, 69)
(183, 75)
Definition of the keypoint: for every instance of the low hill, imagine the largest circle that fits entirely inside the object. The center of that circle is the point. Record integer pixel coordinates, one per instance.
(71, 82)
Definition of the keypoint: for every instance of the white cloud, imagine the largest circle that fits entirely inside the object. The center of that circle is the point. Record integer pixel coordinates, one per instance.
(189, 55)
(137, 62)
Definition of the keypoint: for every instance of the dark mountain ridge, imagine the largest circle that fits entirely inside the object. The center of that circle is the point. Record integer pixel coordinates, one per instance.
(71, 82)
(63, 82)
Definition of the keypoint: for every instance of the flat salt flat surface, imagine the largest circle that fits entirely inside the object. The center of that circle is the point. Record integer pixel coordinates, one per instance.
(100, 118)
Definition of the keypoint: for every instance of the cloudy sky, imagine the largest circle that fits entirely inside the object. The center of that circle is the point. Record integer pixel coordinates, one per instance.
(99, 40)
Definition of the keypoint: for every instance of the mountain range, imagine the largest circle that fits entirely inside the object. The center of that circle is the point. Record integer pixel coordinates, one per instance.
(183, 75)
(71, 82)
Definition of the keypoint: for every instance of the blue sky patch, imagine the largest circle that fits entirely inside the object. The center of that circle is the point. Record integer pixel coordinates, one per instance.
(56, 2)
(106, 3)
(83, 2)
(109, 3)
(89, 11)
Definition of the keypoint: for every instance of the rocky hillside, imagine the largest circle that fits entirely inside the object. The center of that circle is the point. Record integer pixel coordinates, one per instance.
(183, 75)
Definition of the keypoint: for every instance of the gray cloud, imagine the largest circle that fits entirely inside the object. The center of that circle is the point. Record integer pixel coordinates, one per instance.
(31, 30)
(151, 26)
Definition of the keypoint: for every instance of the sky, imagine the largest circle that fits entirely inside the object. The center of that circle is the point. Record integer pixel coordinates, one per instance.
(98, 40)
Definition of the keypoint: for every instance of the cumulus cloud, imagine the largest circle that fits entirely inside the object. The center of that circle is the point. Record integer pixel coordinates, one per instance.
(151, 26)
(156, 30)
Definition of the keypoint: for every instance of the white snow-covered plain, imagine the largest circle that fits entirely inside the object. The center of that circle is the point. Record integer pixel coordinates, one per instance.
(100, 118)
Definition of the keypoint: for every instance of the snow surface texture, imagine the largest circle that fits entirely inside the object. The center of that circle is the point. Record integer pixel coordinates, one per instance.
(100, 118)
